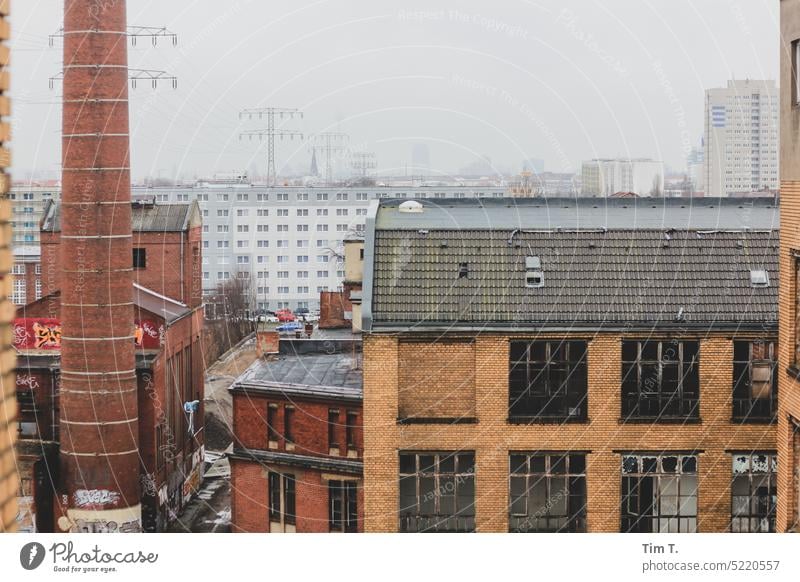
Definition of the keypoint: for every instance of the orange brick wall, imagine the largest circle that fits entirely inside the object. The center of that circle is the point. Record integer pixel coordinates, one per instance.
(451, 365)
(492, 437)
(8, 410)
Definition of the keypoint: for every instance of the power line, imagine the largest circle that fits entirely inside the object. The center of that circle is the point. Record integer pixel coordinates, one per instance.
(270, 132)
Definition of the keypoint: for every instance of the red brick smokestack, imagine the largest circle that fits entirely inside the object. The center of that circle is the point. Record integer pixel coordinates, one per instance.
(99, 417)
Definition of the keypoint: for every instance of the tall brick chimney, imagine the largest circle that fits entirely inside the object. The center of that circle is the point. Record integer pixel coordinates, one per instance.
(99, 417)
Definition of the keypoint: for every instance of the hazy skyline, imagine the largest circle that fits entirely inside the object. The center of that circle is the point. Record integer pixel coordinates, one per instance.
(562, 81)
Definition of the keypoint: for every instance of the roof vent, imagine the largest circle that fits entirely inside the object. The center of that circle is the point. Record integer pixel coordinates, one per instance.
(411, 206)
(463, 270)
(534, 276)
(759, 278)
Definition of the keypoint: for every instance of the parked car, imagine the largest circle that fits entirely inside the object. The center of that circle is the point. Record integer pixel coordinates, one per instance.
(301, 311)
(310, 317)
(267, 319)
(285, 315)
(290, 326)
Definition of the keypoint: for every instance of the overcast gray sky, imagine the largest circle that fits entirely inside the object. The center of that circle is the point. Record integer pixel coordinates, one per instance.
(562, 80)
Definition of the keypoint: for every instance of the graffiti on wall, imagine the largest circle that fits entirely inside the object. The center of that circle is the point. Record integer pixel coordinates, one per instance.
(95, 497)
(37, 334)
(148, 334)
(102, 526)
(27, 381)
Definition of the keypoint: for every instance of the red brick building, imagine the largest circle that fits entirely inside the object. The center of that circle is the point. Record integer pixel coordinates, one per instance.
(298, 441)
(168, 323)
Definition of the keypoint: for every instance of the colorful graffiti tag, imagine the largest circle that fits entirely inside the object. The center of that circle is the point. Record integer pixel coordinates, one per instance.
(37, 334)
(45, 334)
(148, 335)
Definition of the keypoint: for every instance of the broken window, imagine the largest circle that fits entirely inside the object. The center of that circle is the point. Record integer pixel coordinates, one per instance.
(659, 493)
(754, 493)
(281, 501)
(755, 388)
(660, 379)
(272, 423)
(547, 493)
(548, 380)
(343, 505)
(437, 492)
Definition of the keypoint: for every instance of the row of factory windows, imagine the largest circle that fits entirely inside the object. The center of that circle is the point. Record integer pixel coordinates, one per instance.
(342, 503)
(548, 493)
(548, 380)
(284, 429)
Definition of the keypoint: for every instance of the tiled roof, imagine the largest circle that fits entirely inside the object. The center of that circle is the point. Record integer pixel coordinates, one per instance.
(592, 278)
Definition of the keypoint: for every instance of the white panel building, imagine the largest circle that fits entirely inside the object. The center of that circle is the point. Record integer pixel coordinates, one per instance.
(741, 138)
(606, 177)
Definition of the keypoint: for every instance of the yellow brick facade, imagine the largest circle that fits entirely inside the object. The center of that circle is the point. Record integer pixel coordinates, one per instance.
(8, 410)
(788, 436)
(492, 437)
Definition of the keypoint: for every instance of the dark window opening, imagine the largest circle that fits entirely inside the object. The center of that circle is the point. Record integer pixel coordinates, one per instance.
(350, 437)
(659, 493)
(754, 493)
(139, 258)
(281, 498)
(548, 380)
(272, 423)
(343, 514)
(288, 417)
(660, 380)
(547, 493)
(437, 492)
(333, 422)
(755, 381)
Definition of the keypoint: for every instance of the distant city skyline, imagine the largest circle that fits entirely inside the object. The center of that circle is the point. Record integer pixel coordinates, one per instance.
(566, 83)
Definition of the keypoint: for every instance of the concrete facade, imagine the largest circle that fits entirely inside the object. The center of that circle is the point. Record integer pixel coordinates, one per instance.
(741, 138)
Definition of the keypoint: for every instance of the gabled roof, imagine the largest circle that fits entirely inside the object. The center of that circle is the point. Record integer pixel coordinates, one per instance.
(145, 217)
(623, 263)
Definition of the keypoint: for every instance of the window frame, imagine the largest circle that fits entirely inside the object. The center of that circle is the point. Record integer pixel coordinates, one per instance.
(630, 521)
(564, 400)
(632, 400)
(745, 407)
(282, 499)
(288, 417)
(413, 517)
(536, 467)
(344, 494)
(139, 258)
(771, 475)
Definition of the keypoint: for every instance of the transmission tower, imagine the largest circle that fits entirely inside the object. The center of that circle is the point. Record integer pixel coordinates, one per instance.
(270, 132)
(329, 143)
(133, 32)
(362, 162)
